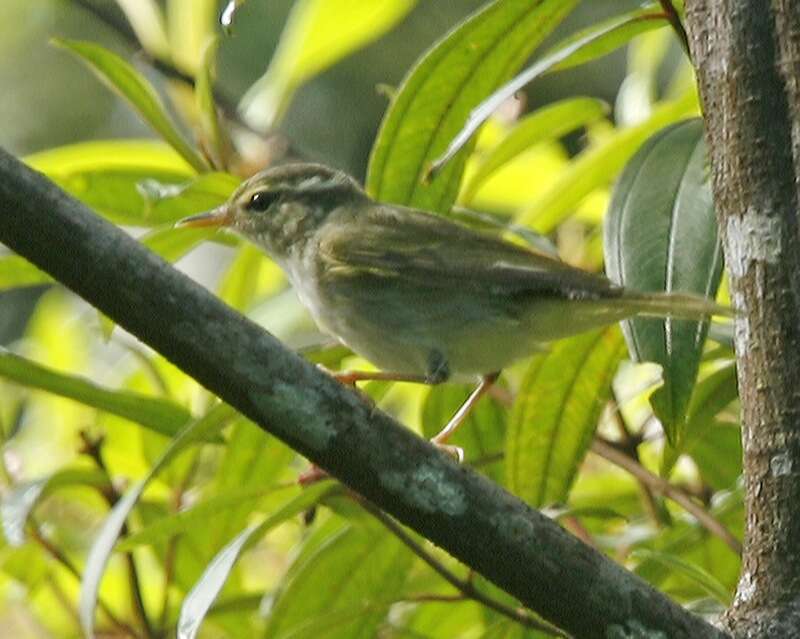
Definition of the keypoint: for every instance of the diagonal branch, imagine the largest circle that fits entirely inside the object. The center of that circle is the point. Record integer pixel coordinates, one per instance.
(532, 558)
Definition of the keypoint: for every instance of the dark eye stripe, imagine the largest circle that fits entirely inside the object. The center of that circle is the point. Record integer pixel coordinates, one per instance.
(262, 200)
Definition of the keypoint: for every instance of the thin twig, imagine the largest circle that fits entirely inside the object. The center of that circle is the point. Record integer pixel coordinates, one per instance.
(465, 587)
(92, 448)
(58, 555)
(675, 21)
(661, 486)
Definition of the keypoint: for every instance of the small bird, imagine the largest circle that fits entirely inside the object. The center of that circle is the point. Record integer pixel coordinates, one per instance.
(423, 298)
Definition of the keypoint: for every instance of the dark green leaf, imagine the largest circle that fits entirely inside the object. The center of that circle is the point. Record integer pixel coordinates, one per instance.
(160, 415)
(556, 414)
(436, 97)
(661, 235)
(128, 82)
(196, 431)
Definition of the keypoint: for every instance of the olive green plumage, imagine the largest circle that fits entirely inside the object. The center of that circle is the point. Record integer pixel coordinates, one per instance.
(414, 292)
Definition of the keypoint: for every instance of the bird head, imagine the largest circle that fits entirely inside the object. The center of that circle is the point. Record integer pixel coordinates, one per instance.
(281, 206)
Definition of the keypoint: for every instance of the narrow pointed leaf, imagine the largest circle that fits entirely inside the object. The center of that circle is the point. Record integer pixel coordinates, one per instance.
(160, 415)
(595, 42)
(438, 94)
(210, 125)
(548, 123)
(661, 235)
(20, 500)
(103, 544)
(556, 413)
(128, 82)
(598, 165)
(198, 602)
(695, 573)
(309, 45)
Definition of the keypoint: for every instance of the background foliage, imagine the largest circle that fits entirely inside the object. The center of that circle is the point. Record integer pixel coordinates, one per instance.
(134, 502)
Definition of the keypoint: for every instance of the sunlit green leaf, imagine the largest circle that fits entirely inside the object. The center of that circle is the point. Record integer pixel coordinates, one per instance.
(309, 45)
(661, 235)
(160, 415)
(213, 135)
(701, 577)
(147, 22)
(190, 25)
(599, 164)
(365, 566)
(20, 500)
(548, 123)
(123, 78)
(436, 97)
(556, 414)
(16, 272)
(102, 546)
(199, 600)
(584, 46)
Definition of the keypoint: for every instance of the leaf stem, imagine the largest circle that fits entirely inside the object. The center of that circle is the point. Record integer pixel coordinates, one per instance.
(465, 587)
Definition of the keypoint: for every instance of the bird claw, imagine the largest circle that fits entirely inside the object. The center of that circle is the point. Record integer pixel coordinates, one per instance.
(454, 451)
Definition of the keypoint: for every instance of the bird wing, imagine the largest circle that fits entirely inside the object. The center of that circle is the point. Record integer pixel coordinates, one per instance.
(433, 252)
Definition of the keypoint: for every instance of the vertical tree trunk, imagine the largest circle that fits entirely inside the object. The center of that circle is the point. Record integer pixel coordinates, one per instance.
(747, 54)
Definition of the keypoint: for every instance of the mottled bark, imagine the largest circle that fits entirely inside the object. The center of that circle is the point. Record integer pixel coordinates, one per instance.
(747, 54)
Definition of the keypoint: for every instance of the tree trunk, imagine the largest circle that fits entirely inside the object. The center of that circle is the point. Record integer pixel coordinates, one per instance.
(747, 55)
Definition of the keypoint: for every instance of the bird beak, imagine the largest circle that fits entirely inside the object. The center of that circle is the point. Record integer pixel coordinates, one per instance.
(220, 216)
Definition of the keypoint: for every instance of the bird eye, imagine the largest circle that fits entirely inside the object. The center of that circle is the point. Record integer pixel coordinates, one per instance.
(261, 201)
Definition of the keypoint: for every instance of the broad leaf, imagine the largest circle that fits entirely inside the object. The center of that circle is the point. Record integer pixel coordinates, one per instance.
(128, 82)
(147, 22)
(160, 415)
(310, 45)
(364, 567)
(579, 48)
(436, 97)
(698, 575)
(102, 546)
(661, 235)
(556, 413)
(202, 596)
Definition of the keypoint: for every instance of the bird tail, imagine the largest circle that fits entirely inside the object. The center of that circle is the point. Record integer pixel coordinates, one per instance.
(676, 305)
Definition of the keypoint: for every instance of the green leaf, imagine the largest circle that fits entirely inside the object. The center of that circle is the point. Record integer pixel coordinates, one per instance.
(147, 22)
(584, 46)
(130, 84)
(239, 284)
(661, 235)
(196, 431)
(169, 202)
(598, 165)
(16, 272)
(695, 573)
(364, 568)
(106, 175)
(190, 25)
(556, 414)
(18, 503)
(436, 97)
(481, 435)
(213, 135)
(710, 397)
(310, 45)
(197, 603)
(160, 415)
(548, 123)
(197, 516)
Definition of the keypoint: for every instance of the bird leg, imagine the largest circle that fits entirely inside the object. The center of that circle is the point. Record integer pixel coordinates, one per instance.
(463, 412)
